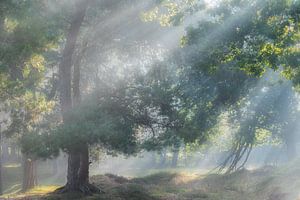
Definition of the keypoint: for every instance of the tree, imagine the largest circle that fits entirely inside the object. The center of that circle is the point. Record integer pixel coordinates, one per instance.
(78, 159)
(234, 40)
(77, 178)
(263, 36)
(25, 37)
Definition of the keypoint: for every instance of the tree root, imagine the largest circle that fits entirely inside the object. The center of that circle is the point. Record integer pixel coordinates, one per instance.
(85, 189)
(239, 151)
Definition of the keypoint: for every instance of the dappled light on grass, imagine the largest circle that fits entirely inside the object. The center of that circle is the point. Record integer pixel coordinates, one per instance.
(42, 190)
(39, 191)
(15, 165)
(169, 177)
(14, 189)
(11, 176)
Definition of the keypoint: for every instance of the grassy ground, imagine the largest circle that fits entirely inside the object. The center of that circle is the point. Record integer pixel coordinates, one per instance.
(12, 176)
(264, 184)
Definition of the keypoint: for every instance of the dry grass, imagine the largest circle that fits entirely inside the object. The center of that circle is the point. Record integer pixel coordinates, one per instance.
(36, 193)
(263, 184)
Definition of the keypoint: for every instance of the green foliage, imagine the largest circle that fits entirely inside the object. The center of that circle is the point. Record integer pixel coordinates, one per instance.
(172, 13)
(38, 145)
(250, 35)
(107, 122)
(29, 32)
(182, 99)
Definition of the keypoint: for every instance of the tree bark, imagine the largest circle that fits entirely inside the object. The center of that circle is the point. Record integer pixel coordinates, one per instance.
(66, 64)
(83, 173)
(76, 78)
(84, 164)
(73, 183)
(29, 173)
(68, 52)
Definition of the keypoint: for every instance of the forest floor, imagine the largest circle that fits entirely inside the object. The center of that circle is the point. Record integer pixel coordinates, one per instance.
(269, 183)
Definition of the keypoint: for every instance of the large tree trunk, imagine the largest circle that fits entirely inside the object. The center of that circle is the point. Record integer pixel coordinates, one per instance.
(83, 173)
(29, 174)
(84, 164)
(72, 176)
(77, 176)
(76, 79)
(78, 173)
(68, 52)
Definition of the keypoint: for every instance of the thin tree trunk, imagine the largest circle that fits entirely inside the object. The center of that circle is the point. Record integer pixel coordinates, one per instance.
(5, 153)
(290, 141)
(291, 146)
(1, 185)
(14, 153)
(153, 159)
(175, 157)
(35, 172)
(185, 157)
(1, 189)
(19, 155)
(162, 158)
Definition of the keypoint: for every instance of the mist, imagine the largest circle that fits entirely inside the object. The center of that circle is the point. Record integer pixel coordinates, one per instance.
(129, 99)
